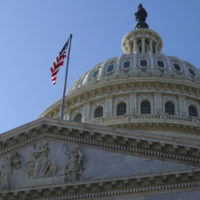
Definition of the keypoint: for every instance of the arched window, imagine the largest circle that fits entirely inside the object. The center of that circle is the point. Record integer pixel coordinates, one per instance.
(193, 111)
(78, 117)
(145, 107)
(121, 109)
(169, 108)
(98, 112)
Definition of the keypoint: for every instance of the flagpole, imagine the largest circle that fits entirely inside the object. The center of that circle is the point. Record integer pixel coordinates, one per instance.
(65, 83)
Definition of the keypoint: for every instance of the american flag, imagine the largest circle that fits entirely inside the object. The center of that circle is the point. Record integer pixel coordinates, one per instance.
(58, 62)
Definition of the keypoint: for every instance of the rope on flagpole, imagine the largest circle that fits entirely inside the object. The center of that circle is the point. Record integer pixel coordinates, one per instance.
(65, 83)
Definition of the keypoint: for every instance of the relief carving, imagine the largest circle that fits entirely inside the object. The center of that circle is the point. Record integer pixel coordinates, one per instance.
(38, 164)
(6, 174)
(74, 167)
(7, 170)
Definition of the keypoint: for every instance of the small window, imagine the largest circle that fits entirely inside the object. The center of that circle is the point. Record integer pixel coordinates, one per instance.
(78, 118)
(145, 107)
(121, 109)
(95, 73)
(143, 63)
(126, 64)
(110, 68)
(169, 108)
(98, 112)
(160, 63)
(177, 67)
(192, 72)
(193, 111)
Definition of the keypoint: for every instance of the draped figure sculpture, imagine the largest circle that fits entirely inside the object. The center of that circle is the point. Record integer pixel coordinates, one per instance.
(38, 164)
(74, 167)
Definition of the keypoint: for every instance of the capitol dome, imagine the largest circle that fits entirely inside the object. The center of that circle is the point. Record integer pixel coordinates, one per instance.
(142, 89)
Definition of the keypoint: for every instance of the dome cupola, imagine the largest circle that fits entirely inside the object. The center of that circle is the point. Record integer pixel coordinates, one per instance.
(142, 39)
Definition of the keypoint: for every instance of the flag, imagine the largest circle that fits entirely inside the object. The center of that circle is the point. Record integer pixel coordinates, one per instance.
(58, 62)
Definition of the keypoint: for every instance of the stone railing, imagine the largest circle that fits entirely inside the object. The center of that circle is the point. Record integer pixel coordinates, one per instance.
(147, 118)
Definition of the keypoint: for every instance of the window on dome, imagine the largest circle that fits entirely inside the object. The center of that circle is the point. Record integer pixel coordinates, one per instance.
(98, 112)
(193, 111)
(121, 109)
(110, 68)
(95, 73)
(160, 63)
(145, 107)
(143, 63)
(126, 64)
(177, 67)
(192, 72)
(78, 118)
(169, 108)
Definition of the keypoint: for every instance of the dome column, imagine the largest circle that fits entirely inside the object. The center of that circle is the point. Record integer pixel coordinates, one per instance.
(182, 105)
(151, 45)
(133, 103)
(108, 107)
(143, 45)
(158, 103)
(135, 46)
(156, 48)
(128, 46)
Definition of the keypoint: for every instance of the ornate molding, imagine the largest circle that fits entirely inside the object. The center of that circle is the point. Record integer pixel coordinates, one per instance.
(107, 138)
(123, 86)
(146, 183)
(151, 120)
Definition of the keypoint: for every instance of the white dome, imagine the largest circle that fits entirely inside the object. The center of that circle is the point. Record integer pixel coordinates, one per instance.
(141, 89)
(138, 65)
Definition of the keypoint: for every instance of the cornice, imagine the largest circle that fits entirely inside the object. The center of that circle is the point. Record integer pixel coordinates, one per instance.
(106, 138)
(111, 187)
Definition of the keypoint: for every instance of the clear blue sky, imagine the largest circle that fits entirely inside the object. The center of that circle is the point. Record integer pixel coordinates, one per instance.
(32, 32)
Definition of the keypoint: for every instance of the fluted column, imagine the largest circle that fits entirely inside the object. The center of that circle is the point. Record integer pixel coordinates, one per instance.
(86, 113)
(158, 103)
(108, 107)
(133, 103)
(182, 105)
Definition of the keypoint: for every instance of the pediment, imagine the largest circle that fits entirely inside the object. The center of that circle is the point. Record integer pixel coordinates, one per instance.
(49, 152)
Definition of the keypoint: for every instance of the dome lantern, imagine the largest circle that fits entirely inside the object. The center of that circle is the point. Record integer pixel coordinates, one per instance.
(141, 39)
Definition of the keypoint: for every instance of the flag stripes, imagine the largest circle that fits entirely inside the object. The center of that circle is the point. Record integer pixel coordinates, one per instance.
(58, 62)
